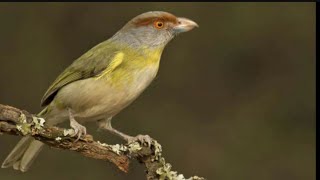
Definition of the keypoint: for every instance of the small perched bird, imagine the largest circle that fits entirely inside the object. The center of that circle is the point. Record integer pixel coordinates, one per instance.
(104, 80)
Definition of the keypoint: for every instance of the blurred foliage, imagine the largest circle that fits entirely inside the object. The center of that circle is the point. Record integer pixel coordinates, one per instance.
(234, 99)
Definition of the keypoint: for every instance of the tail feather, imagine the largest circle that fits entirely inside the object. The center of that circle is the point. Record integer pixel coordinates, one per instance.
(30, 155)
(23, 154)
(17, 152)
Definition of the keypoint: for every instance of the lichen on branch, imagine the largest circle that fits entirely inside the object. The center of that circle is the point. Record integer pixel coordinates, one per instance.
(14, 121)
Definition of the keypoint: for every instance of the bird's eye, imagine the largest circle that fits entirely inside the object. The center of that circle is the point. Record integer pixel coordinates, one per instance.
(158, 24)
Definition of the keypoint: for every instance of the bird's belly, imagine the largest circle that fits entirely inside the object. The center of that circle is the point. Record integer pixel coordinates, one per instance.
(93, 99)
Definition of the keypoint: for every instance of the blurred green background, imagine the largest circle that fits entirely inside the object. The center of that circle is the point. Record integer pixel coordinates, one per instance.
(234, 99)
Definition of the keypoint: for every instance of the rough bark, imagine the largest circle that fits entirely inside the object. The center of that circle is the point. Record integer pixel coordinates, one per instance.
(14, 121)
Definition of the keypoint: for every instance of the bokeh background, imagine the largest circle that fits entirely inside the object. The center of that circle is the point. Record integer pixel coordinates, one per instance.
(234, 99)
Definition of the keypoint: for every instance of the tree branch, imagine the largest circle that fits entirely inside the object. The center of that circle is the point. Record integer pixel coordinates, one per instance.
(22, 123)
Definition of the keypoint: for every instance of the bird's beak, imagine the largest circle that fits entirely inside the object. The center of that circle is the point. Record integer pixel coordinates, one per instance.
(184, 25)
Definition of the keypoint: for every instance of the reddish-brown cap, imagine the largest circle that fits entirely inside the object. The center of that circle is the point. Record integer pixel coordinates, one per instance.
(149, 17)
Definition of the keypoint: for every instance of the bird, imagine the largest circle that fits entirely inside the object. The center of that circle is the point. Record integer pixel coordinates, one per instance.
(104, 80)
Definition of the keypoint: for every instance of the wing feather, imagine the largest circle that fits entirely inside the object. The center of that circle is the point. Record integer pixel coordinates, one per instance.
(91, 64)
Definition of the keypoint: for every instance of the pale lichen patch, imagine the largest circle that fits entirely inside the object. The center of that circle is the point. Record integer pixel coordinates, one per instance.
(24, 128)
(38, 122)
(67, 132)
(165, 173)
(134, 147)
(19, 127)
(196, 178)
(118, 148)
(58, 138)
(22, 118)
(41, 121)
(157, 151)
(103, 144)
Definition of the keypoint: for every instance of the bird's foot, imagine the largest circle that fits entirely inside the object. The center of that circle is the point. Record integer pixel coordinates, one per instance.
(143, 139)
(78, 128)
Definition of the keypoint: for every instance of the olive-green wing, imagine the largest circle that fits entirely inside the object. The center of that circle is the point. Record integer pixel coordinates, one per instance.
(91, 64)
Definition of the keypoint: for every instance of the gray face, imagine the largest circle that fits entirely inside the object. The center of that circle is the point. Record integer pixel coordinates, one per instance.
(153, 29)
(151, 36)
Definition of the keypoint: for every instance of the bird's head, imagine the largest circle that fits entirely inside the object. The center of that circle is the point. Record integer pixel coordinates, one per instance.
(153, 29)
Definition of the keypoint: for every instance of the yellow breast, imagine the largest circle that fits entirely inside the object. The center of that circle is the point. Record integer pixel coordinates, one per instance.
(132, 66)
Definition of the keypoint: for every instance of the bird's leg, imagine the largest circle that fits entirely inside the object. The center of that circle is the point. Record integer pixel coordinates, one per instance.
(78, 128)
(106, 125)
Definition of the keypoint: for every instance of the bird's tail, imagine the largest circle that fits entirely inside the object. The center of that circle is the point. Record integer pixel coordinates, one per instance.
(24, 153)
